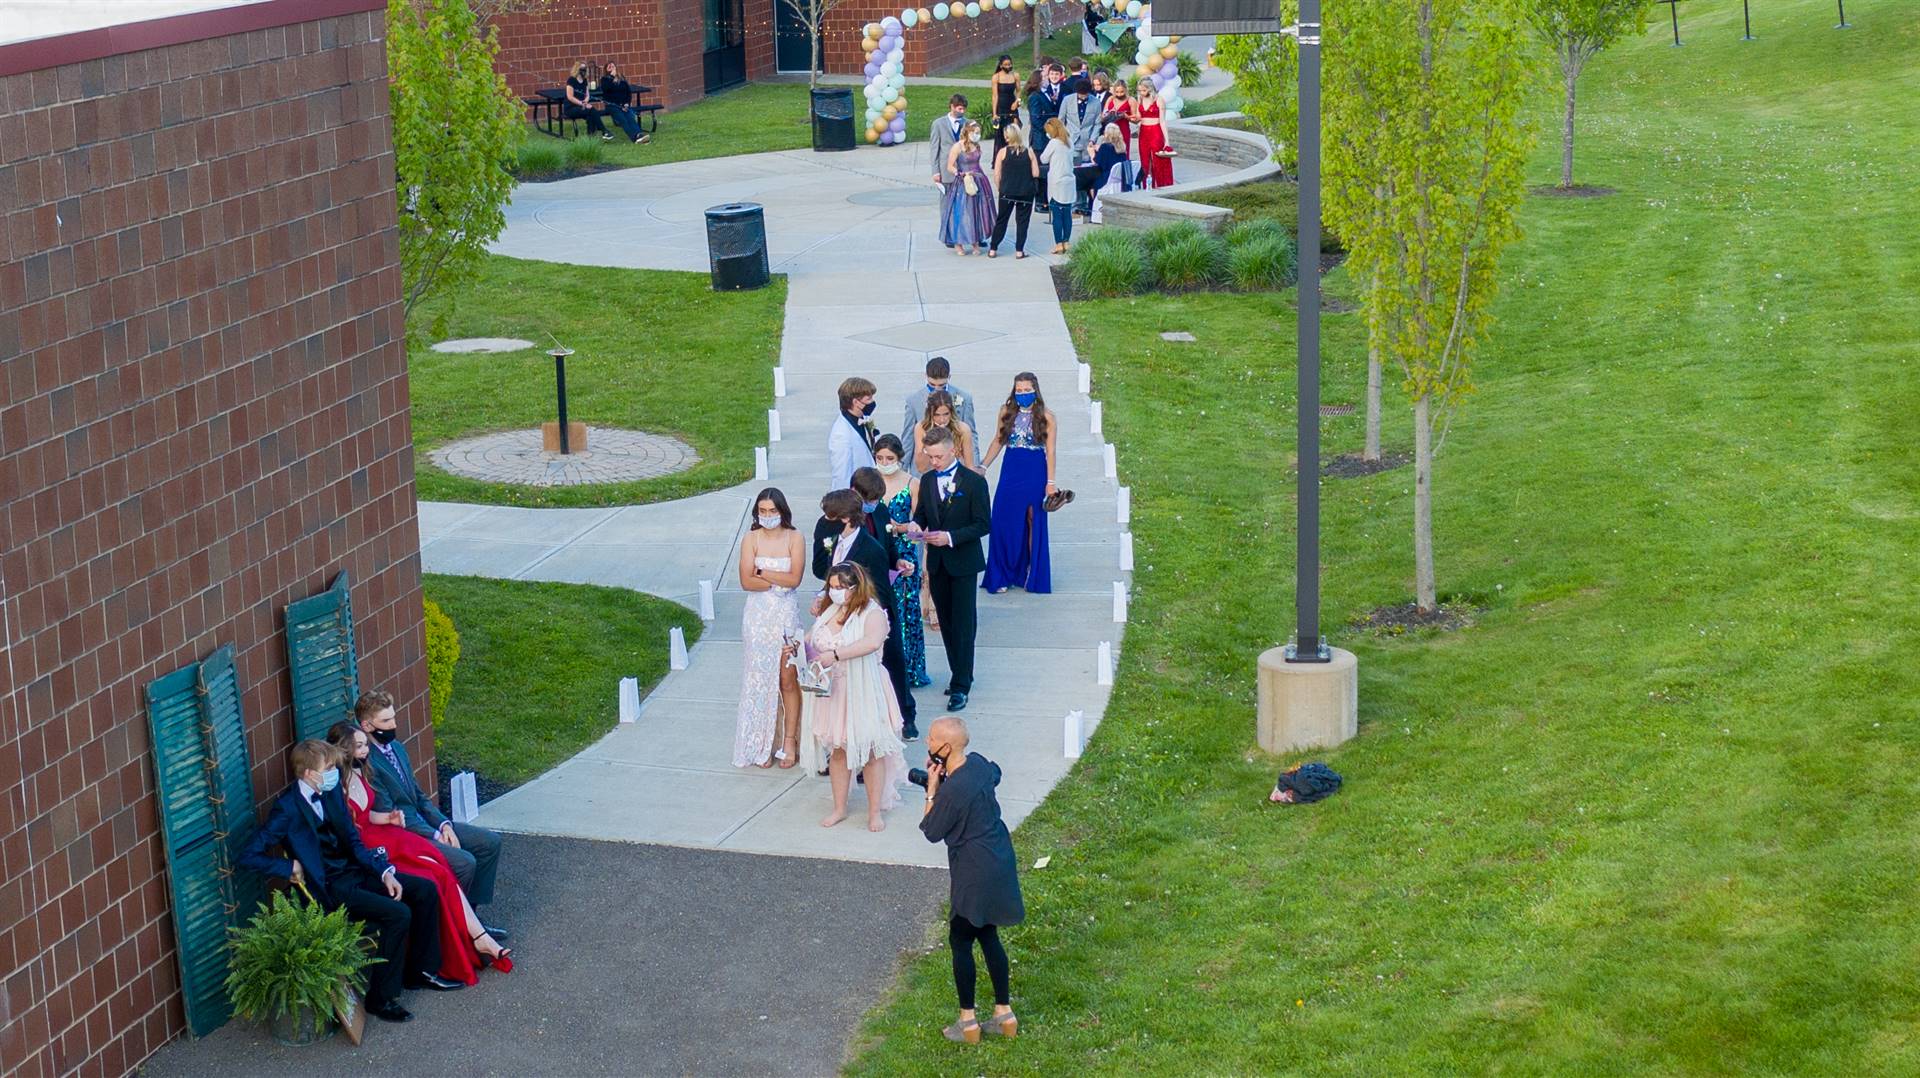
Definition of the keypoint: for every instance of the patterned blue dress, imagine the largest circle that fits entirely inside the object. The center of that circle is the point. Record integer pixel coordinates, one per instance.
(906, 593)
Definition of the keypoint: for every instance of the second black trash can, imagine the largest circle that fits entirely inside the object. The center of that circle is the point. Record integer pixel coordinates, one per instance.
(832, 118)
(737, 246)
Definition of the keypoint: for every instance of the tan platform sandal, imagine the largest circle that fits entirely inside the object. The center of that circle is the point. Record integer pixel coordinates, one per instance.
(1002, 1025)
(963, 1032)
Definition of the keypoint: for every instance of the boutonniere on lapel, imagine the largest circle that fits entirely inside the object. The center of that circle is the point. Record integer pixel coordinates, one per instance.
(827, 543)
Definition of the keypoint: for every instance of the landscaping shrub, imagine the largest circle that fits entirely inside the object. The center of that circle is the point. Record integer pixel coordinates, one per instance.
(1191, 260)
(540, 158)
(585, 153)
(1245, 232)
(1264, 262)
(1160, 236)
(1108, 262)
(1189, 66)
(443, 651)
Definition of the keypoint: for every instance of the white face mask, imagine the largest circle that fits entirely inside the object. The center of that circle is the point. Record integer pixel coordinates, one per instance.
(769, 522)
(887, 469)
(838, 595)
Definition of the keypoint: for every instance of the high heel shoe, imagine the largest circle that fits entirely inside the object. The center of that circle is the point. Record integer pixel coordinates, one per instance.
(788, 759)
(502, 961)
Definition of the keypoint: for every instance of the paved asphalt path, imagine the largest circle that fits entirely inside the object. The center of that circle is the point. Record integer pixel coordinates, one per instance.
(639, 960)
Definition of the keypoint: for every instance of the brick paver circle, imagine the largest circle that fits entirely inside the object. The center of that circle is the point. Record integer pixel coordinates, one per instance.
(612, 456)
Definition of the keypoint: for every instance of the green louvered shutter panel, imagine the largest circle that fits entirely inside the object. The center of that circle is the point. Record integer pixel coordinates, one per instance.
(320, 660)
(223, 733)
(193, 851)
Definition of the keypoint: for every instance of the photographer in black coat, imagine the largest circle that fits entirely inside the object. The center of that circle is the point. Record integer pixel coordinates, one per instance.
(963, 813)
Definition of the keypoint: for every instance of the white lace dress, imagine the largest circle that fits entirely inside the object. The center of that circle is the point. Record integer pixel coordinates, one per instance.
(770, 617)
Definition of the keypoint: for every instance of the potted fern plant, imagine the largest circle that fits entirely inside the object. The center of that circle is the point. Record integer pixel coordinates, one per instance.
(294, 966)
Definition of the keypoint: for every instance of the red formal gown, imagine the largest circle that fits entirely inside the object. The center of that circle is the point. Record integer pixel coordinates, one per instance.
(413, 854)
(1155, 171)
(1117, 104)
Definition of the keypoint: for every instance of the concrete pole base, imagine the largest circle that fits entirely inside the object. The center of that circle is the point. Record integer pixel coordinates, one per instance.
(1307, 705)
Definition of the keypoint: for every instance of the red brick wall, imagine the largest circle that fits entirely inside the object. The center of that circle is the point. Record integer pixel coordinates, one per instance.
(203, 416)
(538, 50)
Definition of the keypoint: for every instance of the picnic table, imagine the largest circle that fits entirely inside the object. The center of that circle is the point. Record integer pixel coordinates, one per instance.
(547, 109)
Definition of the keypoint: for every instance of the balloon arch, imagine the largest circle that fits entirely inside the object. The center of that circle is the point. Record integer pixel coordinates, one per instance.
(886, 88)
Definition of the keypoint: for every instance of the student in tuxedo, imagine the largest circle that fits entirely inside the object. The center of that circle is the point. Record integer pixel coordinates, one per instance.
(940, 140)
(955, 512)
(939, 379)
(846, 533)
(311, 823)
(472, 850)
(1044, 106)
(850, 440)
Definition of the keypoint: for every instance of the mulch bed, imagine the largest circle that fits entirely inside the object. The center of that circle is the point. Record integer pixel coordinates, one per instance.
(1578, 190)
(1352, 466)
(1402, 618)
(486, 788)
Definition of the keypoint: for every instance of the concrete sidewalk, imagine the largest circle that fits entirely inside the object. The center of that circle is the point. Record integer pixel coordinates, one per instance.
(871, 291)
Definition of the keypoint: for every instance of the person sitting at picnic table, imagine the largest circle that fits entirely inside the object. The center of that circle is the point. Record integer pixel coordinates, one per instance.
(617, 92)
(581, 106)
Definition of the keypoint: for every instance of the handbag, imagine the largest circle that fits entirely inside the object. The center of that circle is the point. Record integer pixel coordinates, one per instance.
(972, 186)
(1057, 499)
(813, 677)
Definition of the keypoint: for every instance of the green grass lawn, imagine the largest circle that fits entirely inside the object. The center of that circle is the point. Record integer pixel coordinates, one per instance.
(678, 359)
(756, 118)
(540, 668)
(1652, 814)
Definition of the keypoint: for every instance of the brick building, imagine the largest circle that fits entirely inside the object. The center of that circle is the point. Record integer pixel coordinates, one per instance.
(687, 49)
(203, 417)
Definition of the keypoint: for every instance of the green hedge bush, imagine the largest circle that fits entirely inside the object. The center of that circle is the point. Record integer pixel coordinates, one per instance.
(1191, 260)
(1263, 263)
(443, 652)
(1108, 262)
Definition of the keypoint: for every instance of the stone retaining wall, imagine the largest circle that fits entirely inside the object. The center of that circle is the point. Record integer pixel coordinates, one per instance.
(1250, 154)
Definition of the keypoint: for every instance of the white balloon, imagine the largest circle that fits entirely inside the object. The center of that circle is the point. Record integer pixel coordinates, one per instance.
(897, 56)
(1133, 9)
(888, 68)
(890, 24)
(909, 17)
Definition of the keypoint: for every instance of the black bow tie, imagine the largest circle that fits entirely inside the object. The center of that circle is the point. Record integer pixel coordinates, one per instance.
(315, 798)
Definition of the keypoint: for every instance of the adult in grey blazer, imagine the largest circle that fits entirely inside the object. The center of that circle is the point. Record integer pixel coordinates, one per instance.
(943, 134)
(472, 852)
(939, 377)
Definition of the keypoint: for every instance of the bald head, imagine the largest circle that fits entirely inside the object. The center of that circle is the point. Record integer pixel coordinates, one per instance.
(949, 733)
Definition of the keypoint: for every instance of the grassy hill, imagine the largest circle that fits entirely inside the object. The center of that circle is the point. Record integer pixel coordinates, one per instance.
(1653, 812)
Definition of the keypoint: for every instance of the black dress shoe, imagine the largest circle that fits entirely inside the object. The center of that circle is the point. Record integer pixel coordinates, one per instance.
(389, 1011)
(499, 935)
(435, 982)
(957, 702)
(910, 733)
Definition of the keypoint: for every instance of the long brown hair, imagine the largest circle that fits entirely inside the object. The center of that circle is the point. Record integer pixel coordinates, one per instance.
(1012, 408)
(853, 577)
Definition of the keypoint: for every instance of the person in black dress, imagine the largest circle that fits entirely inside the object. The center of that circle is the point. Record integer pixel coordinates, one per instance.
(617, 92)
(581, 105)
(963, 812)
(955, 513)
(312, 825)
(1006, 99)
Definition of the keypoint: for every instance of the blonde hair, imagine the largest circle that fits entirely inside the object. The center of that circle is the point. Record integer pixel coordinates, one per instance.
(1056, 129)
(580, 70)
(1113, 137)
(312, 756)
(1012, 138)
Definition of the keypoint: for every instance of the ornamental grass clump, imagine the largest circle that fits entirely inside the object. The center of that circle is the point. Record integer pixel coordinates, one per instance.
(294, 962)
(1244, 232)
(540, 159)
(1193, 260)
(585, 153)
(1108, 262)
(1264, 263)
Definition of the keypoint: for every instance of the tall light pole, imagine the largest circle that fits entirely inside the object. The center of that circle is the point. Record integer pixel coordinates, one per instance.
(1307, 646)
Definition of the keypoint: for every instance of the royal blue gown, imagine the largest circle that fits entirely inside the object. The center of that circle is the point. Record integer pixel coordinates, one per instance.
(1017, 546)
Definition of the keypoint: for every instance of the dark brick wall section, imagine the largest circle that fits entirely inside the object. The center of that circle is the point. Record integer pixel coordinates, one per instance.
(203, 416)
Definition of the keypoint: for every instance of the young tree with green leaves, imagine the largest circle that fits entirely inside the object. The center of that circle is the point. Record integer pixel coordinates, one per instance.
(1266, 69)
(454, 126)
(1576, 29)
(1423, 185)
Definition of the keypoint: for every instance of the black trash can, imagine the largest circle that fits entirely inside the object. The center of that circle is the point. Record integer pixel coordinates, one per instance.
(832, 118)
(737, 246)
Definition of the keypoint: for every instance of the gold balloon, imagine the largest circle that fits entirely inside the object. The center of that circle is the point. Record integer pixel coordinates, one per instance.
(873, 135)
(1175, 38)
(871, 30)
(926, 15)
(867, 44)
(1019, 5)
(1169, 52)
(1153, 64)
(889, 112)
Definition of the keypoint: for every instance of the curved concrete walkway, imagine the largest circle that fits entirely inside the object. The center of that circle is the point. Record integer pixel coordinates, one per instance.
(871, 291)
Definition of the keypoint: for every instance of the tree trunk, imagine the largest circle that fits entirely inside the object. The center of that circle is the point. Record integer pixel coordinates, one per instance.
(1372, 450)
(1566, 130)
(1423, 595)
(1033, 24)
(813, 68)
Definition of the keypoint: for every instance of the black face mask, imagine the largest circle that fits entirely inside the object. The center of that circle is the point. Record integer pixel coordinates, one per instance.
(868, 410)
(359, 761)
(385, 737)
(939, 760)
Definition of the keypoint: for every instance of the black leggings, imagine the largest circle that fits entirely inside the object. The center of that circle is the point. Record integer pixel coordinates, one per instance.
(1019, 211)
(960, 936)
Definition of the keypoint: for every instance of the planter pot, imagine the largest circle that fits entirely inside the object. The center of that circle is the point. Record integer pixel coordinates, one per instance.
(304, 1026)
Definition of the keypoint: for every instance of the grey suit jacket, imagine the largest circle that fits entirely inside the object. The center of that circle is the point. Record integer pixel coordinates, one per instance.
(402, 792)
(1082, 124)
(940, 140)
(917, 410)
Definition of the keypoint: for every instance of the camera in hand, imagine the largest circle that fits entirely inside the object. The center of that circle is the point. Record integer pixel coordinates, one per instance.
(917, 776)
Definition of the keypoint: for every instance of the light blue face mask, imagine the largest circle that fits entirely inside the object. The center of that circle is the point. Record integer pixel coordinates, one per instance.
(1025, 400)
(329, 780)
(868, 507)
